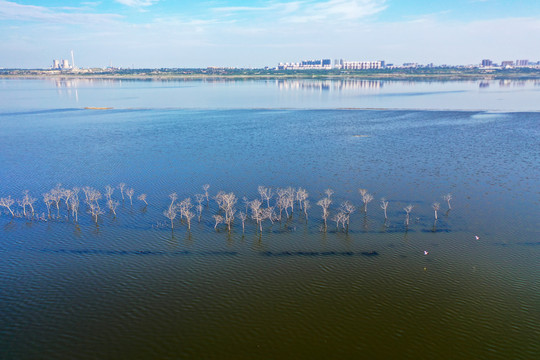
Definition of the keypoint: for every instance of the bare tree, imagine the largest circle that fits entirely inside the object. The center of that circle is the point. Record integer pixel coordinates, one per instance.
(142, 197)
(340, 218)
(436, 206)
(199, 198)
(170, 214)
(329, 193)
(130, 192)
(307, 205)
(22, 204)
(184, 207)
(266, 194)
(447, 198)
(109, 190)
(95, 210)
(47, 199)
(205, 187)
(56, 195)
(408, 210)
(29, 200)
(301, 196)
(242, 216)
(366, 198)
(113, 204)
(347, 209)
(384, 206)
(7, 202)
(218, 219)
(325, 204)
(122, 186)
(189, 215)
(256, 212)
(227, 202)
(74, 205)
(173, 196)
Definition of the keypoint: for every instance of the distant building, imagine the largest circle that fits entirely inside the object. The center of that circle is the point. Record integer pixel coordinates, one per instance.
(522, 62)
(487, 63)
(56, 64)
(410, 65)
(323, 64)
(507, 64)
(65, 64)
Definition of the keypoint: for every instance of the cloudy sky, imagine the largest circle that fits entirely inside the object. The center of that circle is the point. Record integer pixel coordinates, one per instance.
(183, 33)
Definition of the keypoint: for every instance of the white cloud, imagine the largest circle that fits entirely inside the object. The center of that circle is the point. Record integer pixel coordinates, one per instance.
(137, 3)
(13, 11)
(309, 10)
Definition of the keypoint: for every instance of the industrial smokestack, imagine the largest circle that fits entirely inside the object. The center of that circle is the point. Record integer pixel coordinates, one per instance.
(72, 60)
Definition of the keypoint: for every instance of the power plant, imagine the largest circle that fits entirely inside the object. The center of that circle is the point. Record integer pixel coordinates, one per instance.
(64, 63)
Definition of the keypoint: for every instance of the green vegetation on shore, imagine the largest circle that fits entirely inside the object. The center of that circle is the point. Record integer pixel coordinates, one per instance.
(423, 73)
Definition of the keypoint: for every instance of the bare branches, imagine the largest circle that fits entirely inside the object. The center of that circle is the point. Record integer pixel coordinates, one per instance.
(112, 205)
(226, 202)
(142, 197)
(436, 206)
(122, 186)
(408, 210)
(109, 190)
(324, 203)
(447, 198)
(218, 219)
(242, 216)
(130, 192)
(366, 198)
(205, 187)
(7, 202)
(384, 206)
(170, 214)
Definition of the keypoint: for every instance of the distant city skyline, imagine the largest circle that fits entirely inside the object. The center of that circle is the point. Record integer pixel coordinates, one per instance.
(183, 34)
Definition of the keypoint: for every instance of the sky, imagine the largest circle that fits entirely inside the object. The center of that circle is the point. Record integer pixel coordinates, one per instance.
(258, 33)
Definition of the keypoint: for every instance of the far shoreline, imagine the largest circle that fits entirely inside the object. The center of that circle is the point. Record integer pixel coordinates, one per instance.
(446, 74)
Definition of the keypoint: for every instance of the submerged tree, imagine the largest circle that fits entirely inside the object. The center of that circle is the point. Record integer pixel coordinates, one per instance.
(436, 206)
(142, 197)
(447, 198)
(7, 202)
(109, 190)
(113, 204)
(242, 216)
(366, 198)
(384, 206)
(265, 193)
(173, 196)
(130, 192)
(189, 215)
(218, 219)
(347, 209)
(170, 214)
(122, 186)
(205, 187)
(28, 200)
(408, 210)
(74, 205)
(325, 204)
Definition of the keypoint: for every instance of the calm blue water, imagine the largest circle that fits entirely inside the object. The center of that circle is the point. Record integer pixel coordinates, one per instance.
(129, 287)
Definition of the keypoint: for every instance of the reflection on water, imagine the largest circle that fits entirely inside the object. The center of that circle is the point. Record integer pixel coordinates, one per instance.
(222, 93)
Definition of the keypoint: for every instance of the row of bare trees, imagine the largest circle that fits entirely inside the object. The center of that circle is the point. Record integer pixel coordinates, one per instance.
(60, 197)
(273, 205)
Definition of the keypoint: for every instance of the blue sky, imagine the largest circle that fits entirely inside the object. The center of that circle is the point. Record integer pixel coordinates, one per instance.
(181, 33)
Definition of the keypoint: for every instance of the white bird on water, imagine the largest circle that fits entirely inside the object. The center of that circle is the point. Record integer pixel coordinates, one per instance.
(477, 237)
(426, 252)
